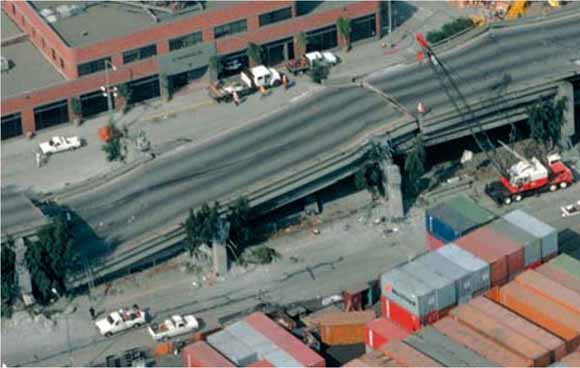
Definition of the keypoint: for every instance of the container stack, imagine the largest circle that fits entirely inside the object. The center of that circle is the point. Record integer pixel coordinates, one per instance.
(452, 219)
(380, 331)
(344, 328)
(200, 354)
(546, 234)
(572, 360)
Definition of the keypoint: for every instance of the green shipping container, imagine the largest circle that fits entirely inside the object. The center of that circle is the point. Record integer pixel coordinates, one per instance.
(567, 264)
(468, 208)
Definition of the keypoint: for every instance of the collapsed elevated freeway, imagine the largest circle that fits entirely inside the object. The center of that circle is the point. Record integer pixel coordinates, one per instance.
(313, 143)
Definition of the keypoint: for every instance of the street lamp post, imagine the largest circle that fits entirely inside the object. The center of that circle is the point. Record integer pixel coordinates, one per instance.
(107, 91)
(55, 292)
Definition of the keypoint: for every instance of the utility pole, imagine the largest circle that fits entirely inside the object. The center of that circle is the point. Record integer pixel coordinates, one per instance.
(390, 9)
(107, 91)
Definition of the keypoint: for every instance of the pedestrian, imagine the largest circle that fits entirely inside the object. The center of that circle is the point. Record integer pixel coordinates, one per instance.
(38, 160)
(92, 312)
(285, 81)
(262, 91)
(236, 98)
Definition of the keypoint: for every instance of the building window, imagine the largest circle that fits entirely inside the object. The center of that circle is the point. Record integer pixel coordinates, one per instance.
(53, 54)
(275, 16)
(13, 9)
(322, 39)
(144, 89)
(51, 114)
(363, 28)
(93, 66)
(139, 54)
(61, 63)
(43, 43)
(185, 41)
(33, 33)
(231, 28)
(23, 21)
(94, 103)
(11, 125)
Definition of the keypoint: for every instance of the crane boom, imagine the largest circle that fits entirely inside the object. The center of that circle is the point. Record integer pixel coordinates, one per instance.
(513, 152)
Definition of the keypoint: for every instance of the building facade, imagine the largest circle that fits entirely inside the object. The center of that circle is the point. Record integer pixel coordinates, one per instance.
(158, 59)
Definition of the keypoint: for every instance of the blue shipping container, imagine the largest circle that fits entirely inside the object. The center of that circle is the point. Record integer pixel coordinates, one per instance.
(447, 224)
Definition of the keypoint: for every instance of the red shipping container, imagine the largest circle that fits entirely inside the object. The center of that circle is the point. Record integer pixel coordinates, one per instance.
(513, 250)
(200, 354)
(261, 363)
(501, 334)
(572, 359)
(432, 242)
(547, 288)
(475, 243)
(401, 316)
(383, 306)
(381, 331)
(404, 355)
(543, 312)
(284, 340)
(510, 319)
(480, 344)
(560, 276)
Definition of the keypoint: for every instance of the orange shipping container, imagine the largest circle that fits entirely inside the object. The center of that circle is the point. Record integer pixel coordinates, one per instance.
(560, 276)
(404, 355)
(375, 359)
(547, 288)
(543, 312)
(572, 360)
(480, 344)
(503, 335)
(344, 328)
(508, 318)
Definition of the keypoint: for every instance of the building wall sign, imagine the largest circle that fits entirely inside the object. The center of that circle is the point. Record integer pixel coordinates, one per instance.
(182, 60)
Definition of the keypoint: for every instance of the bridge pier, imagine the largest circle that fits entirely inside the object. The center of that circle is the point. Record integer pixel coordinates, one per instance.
(566, 89)
(394, 194)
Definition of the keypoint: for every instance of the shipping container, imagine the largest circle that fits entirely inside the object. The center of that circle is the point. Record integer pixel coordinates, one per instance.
(572, 359)
(479, 269)
(402, 316)
(231, 347)
(432, 242)
(543, 312)
(344, 328)
(380, 331)
(444, 288)
(261, 364)
(532, 245)
(554, 344)
(445, 351)
(200, 354)
(568, 264)
(514, 251)
(375, 359)
(285, 341)
(408, 292)
(549, 289)
(476, 243)
(560, 276)
(447, 224)
(539, 229)
(444, 267)
(356, 362)
(467, 207)
(501, 334)
(404, 355)
(383, 302)
(480, 344)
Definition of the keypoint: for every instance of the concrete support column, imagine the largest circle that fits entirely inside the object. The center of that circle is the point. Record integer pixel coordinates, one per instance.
(27, 119)
(220, 258)
(393, 181)
(23, 276)
(566, 89)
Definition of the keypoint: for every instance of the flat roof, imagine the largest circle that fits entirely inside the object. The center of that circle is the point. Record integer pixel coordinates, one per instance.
(9, 28)
(18, 213)
(30, 70)
(100, 21)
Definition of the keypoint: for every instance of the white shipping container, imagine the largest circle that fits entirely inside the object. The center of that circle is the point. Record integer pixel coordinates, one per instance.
(478, 268)
(446, 268)
(444, 288)
(529, 223)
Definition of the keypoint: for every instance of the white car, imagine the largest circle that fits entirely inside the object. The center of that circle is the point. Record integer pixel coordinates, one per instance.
(121, 320)
(571, 210)
(324, 57)
(60, 144)
(174, 326)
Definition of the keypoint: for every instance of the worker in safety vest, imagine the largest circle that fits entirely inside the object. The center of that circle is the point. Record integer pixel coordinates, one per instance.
(262, 91)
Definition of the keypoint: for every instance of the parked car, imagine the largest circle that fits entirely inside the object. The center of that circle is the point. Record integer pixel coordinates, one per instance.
(174, 326)
(123, 319)
(60, 144)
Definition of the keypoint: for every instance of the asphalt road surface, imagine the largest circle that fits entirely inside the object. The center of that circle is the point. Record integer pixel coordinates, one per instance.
(160, 193)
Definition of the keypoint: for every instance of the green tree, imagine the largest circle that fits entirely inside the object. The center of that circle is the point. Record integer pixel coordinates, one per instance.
(319, 72)
(255, 53)
(216, 66)
(201, 226)
(344, 27)
(302, 41)
(9, 282)
(449, 29)
(47, 259)
(126, 92)
(545, 119)
(415, 166)
(239, 217)
(115, 147)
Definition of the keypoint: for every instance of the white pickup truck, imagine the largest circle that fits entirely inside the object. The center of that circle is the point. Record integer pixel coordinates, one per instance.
(121, 320)
(60, 144)
(174, 326)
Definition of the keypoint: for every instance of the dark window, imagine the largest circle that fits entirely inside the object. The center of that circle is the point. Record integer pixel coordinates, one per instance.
(362, 28)
(139, 54)
(43, 43)
(61, 63)
(93, 66)
(33, 32)
(94, 103)
(144, 89)
(13, 9)
(53, 54)
(23, 20)
(322, 39)
(185, 41)
(11, 125)
(275, 16)
(231, 28)
(51, 114)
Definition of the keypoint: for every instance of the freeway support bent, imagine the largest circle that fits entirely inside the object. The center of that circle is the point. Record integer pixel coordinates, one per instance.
(566, 90)
(393, 181)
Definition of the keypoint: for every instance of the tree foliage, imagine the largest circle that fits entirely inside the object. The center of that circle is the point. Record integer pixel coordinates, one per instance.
(370, 176)
(449, 29)
(415, 166)
(545, 119)
(75, 106)
(302, 41)
(47, 259)
(239, 217)
(344, 28)
(201, 226)
(115, 147)
(255, 53)
(319, 72)
(9, 281)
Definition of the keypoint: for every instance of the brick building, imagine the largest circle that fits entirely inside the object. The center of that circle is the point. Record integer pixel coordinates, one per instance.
(59, 51)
